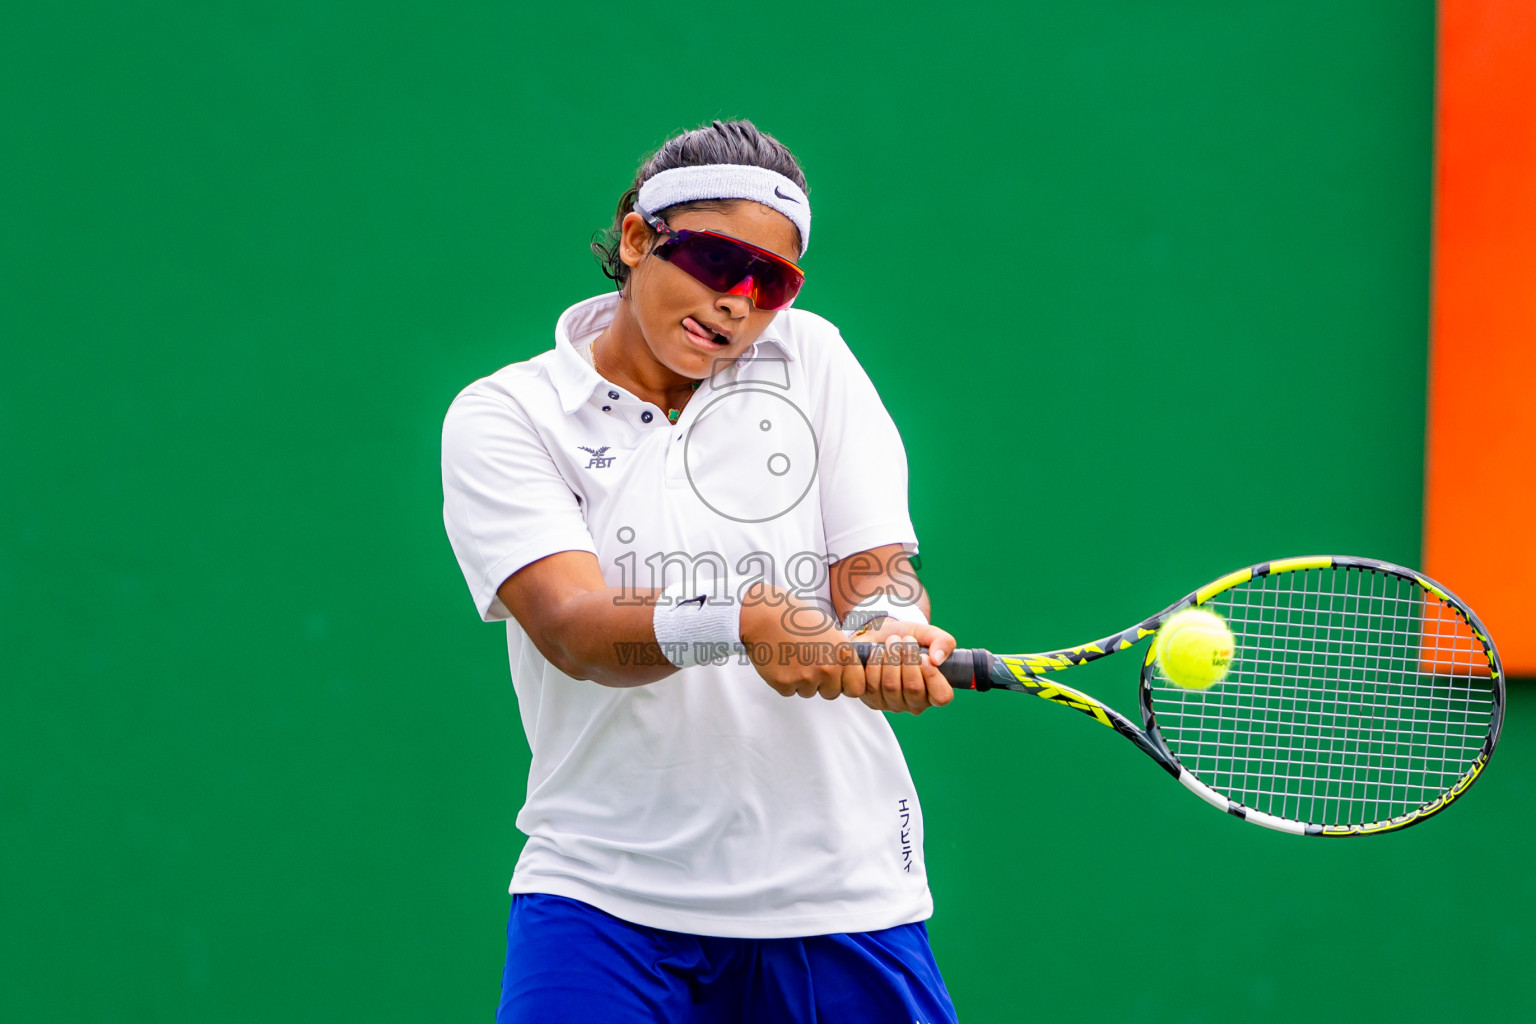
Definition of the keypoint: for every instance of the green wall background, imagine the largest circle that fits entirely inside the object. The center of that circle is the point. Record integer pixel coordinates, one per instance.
(259, 760)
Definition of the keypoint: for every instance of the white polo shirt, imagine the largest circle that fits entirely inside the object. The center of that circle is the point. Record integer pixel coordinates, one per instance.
(705, 802)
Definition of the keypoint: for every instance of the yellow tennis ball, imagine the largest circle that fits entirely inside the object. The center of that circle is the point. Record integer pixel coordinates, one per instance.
(1194, 648)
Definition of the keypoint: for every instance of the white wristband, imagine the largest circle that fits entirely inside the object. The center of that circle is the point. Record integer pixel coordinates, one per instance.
(696, 628)
(871, 608)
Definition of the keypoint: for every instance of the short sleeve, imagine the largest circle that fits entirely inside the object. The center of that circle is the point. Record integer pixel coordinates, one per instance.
(862, 466)
(505, 503)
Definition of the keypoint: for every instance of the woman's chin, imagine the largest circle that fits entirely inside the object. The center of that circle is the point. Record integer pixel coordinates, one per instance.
(699, 359)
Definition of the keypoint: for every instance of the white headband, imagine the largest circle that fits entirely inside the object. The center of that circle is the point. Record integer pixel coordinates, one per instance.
(728, 181)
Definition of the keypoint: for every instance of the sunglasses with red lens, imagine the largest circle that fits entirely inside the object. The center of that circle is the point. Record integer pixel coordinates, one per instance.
(730, 265)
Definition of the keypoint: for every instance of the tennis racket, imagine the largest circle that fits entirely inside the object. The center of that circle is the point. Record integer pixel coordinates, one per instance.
(1363, 697)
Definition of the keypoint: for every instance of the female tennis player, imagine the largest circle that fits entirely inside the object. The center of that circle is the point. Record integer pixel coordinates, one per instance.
(680, 509)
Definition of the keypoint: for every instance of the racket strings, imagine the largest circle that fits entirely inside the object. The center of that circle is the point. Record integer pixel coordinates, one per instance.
(1354, 697)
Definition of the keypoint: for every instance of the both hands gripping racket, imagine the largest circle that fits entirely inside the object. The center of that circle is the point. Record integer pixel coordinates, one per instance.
(1363, 697)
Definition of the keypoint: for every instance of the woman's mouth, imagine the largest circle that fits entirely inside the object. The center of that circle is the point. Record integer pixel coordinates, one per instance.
(703, 334)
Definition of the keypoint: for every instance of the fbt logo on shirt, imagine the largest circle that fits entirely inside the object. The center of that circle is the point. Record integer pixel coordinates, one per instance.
(598, 460)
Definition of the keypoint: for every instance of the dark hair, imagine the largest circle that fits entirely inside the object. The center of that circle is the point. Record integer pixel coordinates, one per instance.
(723, 142)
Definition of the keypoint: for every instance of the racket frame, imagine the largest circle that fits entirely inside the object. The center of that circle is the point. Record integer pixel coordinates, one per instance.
(979, 669)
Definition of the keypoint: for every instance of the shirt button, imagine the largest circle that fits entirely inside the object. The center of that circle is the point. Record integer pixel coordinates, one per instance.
(645, 417)
(613, 394)
(607, 408)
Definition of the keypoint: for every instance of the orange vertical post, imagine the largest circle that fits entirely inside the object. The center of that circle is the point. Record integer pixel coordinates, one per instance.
(1480, 502)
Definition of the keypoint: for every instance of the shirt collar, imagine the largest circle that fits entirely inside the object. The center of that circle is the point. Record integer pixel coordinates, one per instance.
(569, 370)
(572, 374)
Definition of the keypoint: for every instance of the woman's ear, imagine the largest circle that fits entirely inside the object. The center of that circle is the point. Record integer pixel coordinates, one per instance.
(635, 239)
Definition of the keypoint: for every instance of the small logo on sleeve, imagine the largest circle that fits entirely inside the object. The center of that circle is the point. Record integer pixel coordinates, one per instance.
(599, 460)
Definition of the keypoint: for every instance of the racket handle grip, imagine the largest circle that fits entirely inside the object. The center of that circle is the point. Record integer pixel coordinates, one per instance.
(966, 668)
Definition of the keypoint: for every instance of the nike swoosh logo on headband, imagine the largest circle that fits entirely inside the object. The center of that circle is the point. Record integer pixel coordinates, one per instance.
(781, 195)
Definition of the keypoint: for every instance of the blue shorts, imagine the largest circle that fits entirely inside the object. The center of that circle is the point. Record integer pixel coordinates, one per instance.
(569, 961)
